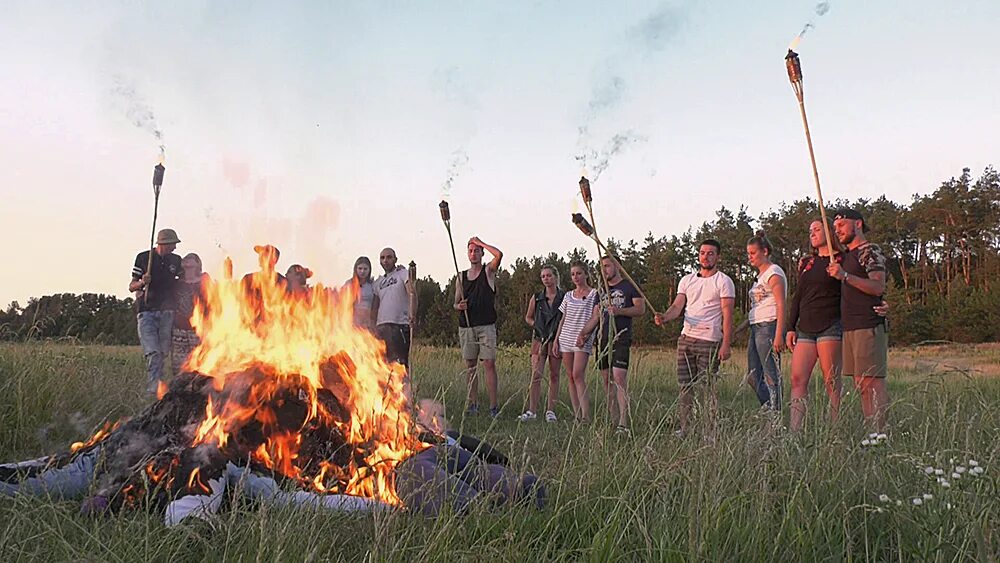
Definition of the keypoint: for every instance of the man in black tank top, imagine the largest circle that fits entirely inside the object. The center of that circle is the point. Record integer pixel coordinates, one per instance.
(475, 300)
(865, 342)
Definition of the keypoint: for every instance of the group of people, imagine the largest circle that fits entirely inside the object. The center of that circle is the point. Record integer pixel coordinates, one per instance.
(836, 316)
(166, 288)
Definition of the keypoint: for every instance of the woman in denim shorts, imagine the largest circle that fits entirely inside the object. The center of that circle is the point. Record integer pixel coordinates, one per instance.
(814, 331)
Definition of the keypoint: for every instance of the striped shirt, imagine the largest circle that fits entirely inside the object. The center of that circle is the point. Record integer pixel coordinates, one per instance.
(576, 312)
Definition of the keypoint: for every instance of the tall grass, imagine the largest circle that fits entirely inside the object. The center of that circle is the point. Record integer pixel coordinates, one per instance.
(755, 493)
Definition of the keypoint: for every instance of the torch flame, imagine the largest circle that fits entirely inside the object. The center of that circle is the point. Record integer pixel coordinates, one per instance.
(795, 43)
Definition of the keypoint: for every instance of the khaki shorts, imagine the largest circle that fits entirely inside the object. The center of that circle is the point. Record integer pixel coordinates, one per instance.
(478, 342)
(866, 352)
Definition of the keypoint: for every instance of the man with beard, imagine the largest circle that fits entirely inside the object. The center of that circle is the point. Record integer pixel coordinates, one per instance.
(391, 308)
(706, 298)
(615, 312)
(865, 340)
(475, 299)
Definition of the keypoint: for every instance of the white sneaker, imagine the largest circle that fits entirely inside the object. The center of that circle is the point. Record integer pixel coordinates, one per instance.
(550, 416)
(526, 416)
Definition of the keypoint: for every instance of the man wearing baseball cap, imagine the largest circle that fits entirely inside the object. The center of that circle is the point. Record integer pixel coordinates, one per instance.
(154, 279)
(866, 342)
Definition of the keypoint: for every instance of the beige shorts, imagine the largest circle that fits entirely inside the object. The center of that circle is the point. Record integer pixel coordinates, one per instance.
(866, 352)
(478, 342)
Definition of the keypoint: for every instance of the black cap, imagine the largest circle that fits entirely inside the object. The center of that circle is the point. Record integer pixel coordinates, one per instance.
(851, 215)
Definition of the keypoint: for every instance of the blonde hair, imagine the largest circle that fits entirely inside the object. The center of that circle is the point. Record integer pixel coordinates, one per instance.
(554, 270)
(194, 257)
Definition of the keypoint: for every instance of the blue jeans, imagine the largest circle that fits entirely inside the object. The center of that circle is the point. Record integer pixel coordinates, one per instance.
(155, 328)
(764, 365)
(68, 482)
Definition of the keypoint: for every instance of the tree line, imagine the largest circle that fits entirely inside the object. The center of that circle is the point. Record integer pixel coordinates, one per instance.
(942, 250)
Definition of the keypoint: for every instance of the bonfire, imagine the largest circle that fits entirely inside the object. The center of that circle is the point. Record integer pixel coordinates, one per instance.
(282, 384)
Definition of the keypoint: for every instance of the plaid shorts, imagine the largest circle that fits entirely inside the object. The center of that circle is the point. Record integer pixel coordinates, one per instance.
(696, 357)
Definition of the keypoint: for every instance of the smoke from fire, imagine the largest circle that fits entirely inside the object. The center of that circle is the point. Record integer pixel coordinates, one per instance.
(453, 86)
(648, 36)
(136, 109)
(459, 162)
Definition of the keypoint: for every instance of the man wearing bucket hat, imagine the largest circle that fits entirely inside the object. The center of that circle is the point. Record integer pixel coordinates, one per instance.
(865, 339)
(154, 289)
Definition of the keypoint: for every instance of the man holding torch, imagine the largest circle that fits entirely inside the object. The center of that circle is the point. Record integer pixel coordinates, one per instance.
(154, 277)
(475, 297)
(865, 340)
(614, 313)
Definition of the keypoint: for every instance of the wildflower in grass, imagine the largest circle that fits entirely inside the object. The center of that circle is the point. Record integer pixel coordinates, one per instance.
(944, 483)
(973, 463)
(918, 501)
(929, 470)
(947, 505)
(884, 498)
(939, 472)
(928, 496)
(978, 470)
(960, 469)
(956, 476)
(899, 503)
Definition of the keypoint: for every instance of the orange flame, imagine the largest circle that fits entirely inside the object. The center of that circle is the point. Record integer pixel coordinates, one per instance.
(98, 436)
(277, 348)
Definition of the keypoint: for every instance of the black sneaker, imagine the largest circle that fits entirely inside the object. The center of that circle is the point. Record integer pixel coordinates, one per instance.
(494, 412)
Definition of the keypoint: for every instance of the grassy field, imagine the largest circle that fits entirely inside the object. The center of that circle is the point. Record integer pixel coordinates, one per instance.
(754, 494)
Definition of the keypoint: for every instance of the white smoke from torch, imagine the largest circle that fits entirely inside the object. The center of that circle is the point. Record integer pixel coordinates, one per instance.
(648, 36)
(137, 110)
(459, 162)
(821, 9)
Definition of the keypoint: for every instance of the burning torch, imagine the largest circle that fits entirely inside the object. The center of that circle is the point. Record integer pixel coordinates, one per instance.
(158, 171)
(446, 218)
(794, 68)
(588, 229)
(413, 297)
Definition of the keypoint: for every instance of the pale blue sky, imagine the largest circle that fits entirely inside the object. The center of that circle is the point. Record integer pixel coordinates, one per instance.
(328, 129)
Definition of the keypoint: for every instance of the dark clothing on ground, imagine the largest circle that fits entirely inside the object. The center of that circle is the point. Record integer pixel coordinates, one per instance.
(162, 284)
(481, 300)
(397, 342)
(855, 305)
(547, 315)
(815, 305)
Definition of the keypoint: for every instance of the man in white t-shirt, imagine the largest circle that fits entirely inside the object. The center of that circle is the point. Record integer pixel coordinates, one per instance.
(706, 298)
(394, 298)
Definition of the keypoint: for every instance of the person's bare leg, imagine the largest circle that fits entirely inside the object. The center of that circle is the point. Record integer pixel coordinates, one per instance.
(879, 398)
(621, 390)
(537, 367)
(803, 359)
(609, 394)
(554, 364)
(571, 382)
(830, 355)
(684, 410)
(472, 380)
(866, 388)
(580, 381)
(491, 381)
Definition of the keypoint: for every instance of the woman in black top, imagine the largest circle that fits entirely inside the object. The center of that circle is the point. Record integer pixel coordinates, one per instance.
(814, 331)
(543, 317)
